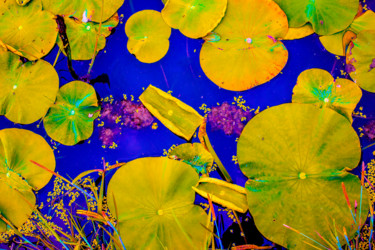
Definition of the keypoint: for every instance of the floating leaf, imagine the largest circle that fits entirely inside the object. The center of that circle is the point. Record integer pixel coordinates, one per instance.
(90, 10)
(148, 36)
(27, 89)
(27, 30)
(326, 17)
(193, 154)
(317, 86)
(300, 32)
(361, 58)
(82, 37)
(178, 117)
(194, 18)
(155, 205)
(248, 52)
(296, 157)
(18, 176)
(224, 193)
(70, 119)
(338, 43)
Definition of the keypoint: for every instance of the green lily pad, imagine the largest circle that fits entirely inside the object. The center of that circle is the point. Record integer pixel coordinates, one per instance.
(296, 157)
(177, 116)
(326, 17)
(91, 10)
(193, 154)
(27, 29)
(19, 176)
(317, 86)
(338, 43)
(148, 36)
(82, 37)
(27, 89)
(155, 205)
(361, 56)
(194, 18)
(71, 119)
(246, 52)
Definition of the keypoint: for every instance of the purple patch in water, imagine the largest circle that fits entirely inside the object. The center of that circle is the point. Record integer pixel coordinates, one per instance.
(369, 130)
(350, 68)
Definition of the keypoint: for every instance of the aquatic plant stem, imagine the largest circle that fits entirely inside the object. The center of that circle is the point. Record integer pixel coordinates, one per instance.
(57, 57)
(240, 226)
(96, 42)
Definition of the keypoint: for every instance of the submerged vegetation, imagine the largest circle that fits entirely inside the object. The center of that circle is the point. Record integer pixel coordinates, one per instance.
(298, 157)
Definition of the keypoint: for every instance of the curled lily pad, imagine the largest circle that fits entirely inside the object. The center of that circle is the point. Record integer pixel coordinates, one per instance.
(27, 89)
(297, 158)
(148, 36)
(194, 18)
(193, 154)
(27, 29)
(317, 86)
(82, 37)
(70, 119)
(300, 32)
(361, 60)
(154, 201)
(19, 176)
(338, 43)
(247, 52)
(90, 10)
(326, 17)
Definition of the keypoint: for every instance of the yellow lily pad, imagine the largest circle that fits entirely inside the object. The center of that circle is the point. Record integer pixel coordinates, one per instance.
(154, 200)
(19, 176)
(148, 36)
(326, 17)
(194, 18)
(300, 32)
(297, 158)
(27, 29)
(361, 57)
(27, 89)
(177, 116)
(318, 87)
(246, 52)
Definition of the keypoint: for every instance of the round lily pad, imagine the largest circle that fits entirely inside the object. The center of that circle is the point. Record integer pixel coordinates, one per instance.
(71, 119)
(297, 158)
(148, 36)
(154, 201)
(19, 176)
(338, 43)
(90, 10)
(193, 154)
(247, 52)
(361, 56)
(300, 32)
(27, 29)
(317, 86)
(326, 17)
(82, 37)
(27, 89)
(194, 18)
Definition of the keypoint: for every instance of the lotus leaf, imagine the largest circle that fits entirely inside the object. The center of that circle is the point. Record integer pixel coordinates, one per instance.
(247, 52)
(298, 33)
(18, 176)
(194, 18)
(154, 201)
(317, 86)
(361, 56)
(326, 17)
(193, 154)
(70, 119)
(148, 36)
(297, 158)
(27, 89)
(224, 193)
(338, 43)
(86, 10)
(27, 30)
(177, 116)
(82, 37)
